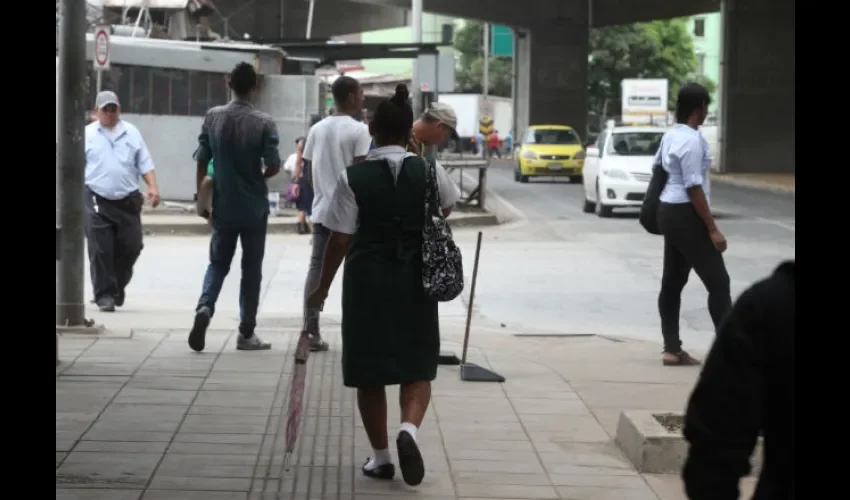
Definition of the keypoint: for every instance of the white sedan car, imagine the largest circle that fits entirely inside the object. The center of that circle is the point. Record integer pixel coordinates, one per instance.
(618, 168)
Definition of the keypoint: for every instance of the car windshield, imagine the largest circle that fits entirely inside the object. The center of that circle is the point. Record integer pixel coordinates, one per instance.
(552, 136)
(635, 143)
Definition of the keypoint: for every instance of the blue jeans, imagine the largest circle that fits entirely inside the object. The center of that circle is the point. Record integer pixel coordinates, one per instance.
(222, 249)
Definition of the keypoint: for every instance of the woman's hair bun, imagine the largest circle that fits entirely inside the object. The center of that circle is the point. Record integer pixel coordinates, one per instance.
(401, 93)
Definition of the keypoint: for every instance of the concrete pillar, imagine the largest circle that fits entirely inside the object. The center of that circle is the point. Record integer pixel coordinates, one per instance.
(522, 82)
(757, 107)
(558, 69)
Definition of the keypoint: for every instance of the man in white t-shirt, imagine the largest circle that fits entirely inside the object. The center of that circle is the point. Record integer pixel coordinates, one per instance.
(333, 144)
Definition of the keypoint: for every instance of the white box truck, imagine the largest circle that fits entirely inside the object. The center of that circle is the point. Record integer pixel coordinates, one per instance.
(470, 108)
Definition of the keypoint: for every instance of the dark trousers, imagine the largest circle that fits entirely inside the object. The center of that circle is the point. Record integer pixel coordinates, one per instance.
(320, 240)
(114, 234)
(687, 246)
(222, 249)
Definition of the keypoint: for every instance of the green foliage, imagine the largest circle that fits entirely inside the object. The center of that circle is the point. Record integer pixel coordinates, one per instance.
(469, 46)
(659, 49)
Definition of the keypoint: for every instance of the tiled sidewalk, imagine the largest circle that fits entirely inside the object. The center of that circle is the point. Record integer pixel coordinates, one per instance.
(141, 417)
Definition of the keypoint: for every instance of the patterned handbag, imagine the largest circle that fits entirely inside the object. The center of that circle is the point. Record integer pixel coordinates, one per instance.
(442, 263)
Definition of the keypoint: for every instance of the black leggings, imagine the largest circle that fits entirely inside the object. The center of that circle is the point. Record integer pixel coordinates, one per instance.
(687, 246)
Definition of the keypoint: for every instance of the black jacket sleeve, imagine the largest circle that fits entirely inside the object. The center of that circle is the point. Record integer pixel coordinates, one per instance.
(724, 414)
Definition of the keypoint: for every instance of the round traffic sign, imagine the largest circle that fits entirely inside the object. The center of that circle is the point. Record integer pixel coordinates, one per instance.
(101, 47)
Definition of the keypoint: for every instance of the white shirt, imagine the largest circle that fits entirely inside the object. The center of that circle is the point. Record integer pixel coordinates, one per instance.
(685, 156)
(289, 164)
(343, 211)
(331, 145)
(115, 159)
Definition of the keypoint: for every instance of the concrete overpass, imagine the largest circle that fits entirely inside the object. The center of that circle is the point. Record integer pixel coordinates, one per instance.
(552, 45)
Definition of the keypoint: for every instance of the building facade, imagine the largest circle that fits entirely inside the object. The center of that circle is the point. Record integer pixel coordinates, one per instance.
(708, 35)
(432, 32)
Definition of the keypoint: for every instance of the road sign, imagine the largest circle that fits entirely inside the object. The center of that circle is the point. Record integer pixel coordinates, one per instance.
(501, 41)
(485, 108)
(644, 99)
(101, 48)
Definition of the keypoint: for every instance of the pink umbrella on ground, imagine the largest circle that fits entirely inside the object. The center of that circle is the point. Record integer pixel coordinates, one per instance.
(296, 391)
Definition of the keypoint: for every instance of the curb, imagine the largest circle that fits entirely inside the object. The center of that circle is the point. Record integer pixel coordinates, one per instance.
(502, 209)
(742, 183)
(201, 228)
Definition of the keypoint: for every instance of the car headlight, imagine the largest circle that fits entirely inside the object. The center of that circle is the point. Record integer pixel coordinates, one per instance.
(529, 155)
(615, 174)
(580, 155)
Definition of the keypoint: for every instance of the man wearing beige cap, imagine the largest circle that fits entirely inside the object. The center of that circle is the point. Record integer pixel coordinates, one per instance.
(116, 156)
(433, 129)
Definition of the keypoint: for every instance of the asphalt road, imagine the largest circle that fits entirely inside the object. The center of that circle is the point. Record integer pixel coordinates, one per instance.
(560, 270)
(548, 199)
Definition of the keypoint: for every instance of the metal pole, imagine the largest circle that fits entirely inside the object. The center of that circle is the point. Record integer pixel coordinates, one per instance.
(416, 28)
(99, 83)
(310, 18)
(471, 299)
(70, 304)
(485, 78)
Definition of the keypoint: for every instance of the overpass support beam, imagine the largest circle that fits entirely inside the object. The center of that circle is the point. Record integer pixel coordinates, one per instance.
(272, 19)
(551, 79)
(757, 99)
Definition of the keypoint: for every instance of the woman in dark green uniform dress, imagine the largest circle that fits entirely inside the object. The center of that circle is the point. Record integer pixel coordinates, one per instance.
(390, 328)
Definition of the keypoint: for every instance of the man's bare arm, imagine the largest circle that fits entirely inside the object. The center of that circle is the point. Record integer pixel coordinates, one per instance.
(200, 173)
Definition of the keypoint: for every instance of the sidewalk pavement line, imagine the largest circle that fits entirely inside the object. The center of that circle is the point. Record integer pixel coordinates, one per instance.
(202, 228)
(777, 223)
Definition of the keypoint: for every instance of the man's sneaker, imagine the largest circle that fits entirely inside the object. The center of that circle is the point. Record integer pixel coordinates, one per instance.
(198, 334)
(252, 343)
(317, 344)
(106, 304)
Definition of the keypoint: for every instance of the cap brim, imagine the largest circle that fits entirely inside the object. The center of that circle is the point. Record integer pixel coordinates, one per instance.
(455, 135)
(107, 103)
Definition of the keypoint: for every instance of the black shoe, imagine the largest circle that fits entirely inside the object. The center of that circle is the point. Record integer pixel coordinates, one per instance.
(409, 459)
(198, 334)
(302, 228)
(386, 471)
(106, 304)
(119, 299)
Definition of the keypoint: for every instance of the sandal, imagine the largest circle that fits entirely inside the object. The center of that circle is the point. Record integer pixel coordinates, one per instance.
(681, 358)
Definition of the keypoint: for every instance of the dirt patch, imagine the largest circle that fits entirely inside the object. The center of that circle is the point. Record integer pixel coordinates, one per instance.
(672, 422)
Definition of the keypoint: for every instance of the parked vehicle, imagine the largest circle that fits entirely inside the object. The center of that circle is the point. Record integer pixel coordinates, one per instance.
(618, 168)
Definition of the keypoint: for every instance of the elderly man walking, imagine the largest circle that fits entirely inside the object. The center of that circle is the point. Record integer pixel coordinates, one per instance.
(116, 156)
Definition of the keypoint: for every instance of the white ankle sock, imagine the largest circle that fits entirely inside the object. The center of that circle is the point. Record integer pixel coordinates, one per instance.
(381, 457)
(410, 429)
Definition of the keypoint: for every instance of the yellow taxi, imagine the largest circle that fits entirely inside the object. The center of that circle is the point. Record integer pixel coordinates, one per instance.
(549, 151)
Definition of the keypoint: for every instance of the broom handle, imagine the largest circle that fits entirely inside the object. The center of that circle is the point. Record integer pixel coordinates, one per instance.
(471, 298)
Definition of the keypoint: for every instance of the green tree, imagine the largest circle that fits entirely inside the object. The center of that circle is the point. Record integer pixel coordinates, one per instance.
(659, 49)
(469, 46)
